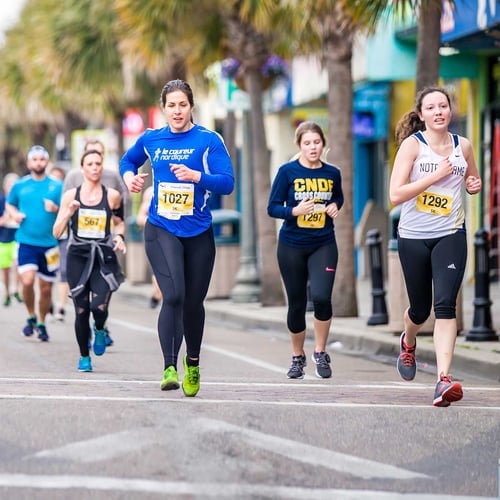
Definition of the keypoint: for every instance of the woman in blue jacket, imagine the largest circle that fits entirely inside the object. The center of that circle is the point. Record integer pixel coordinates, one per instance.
(307, 194)
(188, 163)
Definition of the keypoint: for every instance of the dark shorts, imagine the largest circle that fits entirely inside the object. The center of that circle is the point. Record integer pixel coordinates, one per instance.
(44, 260)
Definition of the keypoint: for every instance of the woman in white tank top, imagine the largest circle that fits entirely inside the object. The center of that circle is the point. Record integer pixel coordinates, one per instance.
(430, 170)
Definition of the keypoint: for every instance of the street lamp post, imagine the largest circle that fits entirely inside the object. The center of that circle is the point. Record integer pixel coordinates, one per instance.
(247, 287)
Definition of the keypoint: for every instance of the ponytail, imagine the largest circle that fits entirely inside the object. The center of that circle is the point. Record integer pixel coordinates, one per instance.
(408, 125)
(411, 122)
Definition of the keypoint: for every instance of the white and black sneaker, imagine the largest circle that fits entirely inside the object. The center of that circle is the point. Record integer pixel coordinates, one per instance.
(322, 362)
(297, 367)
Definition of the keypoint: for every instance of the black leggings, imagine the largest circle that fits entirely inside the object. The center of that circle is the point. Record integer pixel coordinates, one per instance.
(183, 268)
(94, 298)
(318, 265)
(438, 261)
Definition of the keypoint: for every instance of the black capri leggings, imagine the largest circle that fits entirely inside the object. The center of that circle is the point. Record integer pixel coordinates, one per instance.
(438, 261)
(183, 268)
(94, 298)
(316, 264)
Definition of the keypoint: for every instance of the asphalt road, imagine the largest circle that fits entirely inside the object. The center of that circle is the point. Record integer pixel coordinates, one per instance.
(250, 433)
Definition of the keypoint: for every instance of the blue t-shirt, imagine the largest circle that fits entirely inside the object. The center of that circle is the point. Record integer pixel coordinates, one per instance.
(293, 183)
(28, 195)
(180, 207)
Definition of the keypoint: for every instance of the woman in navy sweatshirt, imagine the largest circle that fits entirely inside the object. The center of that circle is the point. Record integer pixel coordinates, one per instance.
(307, 194)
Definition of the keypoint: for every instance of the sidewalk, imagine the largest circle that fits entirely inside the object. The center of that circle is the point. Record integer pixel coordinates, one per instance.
(480, 359)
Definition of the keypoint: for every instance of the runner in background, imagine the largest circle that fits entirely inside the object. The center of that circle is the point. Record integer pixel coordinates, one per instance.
(33, 203)
(110, 178)
(94, 214)
(307, 195)
(8, 245)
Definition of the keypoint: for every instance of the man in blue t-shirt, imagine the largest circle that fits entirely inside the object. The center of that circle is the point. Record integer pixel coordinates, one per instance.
(33, 203)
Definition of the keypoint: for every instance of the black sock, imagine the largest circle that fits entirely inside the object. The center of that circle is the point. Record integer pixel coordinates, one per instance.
(192, 362)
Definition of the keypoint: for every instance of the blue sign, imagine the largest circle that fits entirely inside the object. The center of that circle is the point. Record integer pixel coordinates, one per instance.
(466, 17)
(363, 125)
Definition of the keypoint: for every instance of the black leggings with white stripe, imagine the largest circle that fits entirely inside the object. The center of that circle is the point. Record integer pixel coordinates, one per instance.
(183, 268)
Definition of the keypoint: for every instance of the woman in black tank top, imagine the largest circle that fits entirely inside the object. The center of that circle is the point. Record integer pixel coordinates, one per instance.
(93, 270)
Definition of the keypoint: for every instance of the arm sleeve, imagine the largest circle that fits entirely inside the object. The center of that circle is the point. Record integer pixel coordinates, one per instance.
(134, 158)
(277, 197)
(217, 176)
(338, 195)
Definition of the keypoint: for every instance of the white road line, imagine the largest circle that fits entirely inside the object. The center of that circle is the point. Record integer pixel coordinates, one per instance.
(101, 448)
(308, 454)
(224, 352)
(217, 490)
(331, 385)
(199, 400)
(245, 359)
(131, 326)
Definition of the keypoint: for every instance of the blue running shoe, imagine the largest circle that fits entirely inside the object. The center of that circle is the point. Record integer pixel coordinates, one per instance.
(42, 333)
(107, 338)
(99, 342)
(30, 326)
(85, 364)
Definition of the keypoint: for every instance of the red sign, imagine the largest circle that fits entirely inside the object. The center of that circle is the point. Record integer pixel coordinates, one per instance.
(133, 123)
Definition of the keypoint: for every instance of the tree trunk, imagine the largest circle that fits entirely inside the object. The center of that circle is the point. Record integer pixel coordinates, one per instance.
(337, 55)
(270, 278)
(429, 41)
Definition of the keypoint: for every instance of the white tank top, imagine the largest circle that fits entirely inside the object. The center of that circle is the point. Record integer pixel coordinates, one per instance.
(438, 211)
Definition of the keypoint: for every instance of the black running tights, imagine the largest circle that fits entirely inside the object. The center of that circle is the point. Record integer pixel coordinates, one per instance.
(297, 266)
(436, 261)
(183, 268)
(93, 299)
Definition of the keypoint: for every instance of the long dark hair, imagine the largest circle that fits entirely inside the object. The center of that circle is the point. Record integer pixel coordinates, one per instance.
(174, 85)
(410, 122)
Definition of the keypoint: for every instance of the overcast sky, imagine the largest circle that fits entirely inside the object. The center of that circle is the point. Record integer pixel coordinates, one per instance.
(9, 13)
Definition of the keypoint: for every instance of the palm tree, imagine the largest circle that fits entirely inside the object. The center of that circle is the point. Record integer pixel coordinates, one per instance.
(428, 15)
(428, 43)
(32, 91)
